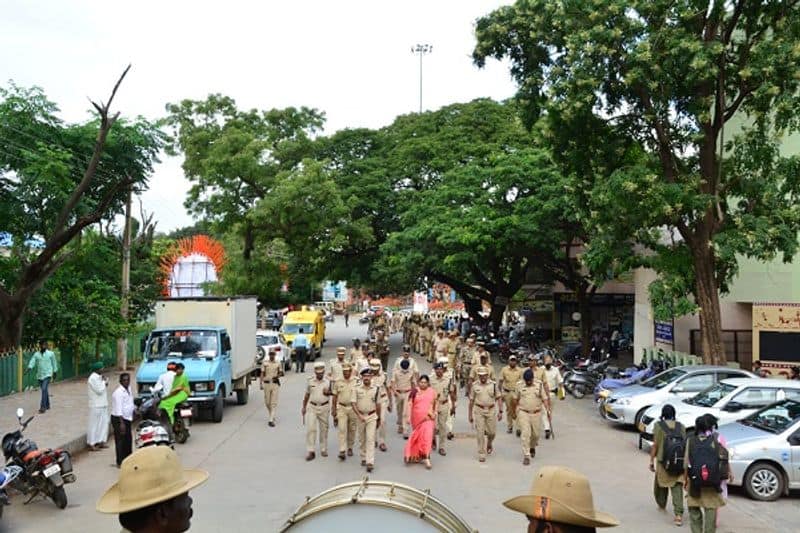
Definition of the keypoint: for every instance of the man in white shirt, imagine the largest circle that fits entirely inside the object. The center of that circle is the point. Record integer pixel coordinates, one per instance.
(97, 431)
(166, 379)
(122, 416)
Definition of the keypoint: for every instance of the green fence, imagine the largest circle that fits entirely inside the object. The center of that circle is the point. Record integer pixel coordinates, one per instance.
(675, 358)
(73, 361)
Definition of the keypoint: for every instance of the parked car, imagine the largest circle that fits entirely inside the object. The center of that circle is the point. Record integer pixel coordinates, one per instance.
(628, 404)
(764, 450)
(275, 318)
(267, 340)
(729, 400)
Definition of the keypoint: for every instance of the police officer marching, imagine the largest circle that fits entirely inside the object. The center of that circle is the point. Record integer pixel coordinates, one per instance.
(510, 375)
(384, 398)
(555, 383)
(367, 408)
(530, 399)
(445, 389)
(316, 411)
(344, 418)
(335, 365)
(484, 395)
(404, 377)
(271, 372)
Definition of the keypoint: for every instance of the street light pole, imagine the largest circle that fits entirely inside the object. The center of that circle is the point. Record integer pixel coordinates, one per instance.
(421, 50)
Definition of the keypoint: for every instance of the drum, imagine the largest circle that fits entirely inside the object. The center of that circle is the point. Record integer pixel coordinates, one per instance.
(373, 506)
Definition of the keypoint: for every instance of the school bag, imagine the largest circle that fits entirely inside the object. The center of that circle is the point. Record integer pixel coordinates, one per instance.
(705, 463)
(674, 448)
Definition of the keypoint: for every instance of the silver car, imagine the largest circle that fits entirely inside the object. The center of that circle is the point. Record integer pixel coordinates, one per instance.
(628, 404)
(764, 450)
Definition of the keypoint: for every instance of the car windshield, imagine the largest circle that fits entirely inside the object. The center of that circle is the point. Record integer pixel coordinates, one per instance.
(294, 329)
(266, 340)
(663, 379)
(193, 343)
(711, 395)
(775, 418)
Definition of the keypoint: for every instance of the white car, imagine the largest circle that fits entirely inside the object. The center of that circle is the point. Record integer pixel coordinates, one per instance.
(266, 340)
(627, 405)
(729, 400)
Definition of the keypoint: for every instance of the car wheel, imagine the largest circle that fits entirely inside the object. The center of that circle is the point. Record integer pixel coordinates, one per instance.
(638, 417)
(764, 482)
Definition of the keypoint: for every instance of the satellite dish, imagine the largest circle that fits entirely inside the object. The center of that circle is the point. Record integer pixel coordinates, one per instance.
(576, 316)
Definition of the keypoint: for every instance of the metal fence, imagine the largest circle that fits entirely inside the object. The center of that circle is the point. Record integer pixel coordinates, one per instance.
(675, 358)
(72, 361)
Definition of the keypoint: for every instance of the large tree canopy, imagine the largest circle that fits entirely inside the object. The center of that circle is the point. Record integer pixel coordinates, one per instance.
(671, 75)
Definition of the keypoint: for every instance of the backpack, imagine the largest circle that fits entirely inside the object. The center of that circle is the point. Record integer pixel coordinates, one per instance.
(705, 463)
(674, 448)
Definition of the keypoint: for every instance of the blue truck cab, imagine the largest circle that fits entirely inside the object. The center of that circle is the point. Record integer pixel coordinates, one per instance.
(212, 337)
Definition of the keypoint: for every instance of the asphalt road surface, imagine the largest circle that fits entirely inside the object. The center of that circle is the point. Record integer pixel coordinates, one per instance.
(259, 475)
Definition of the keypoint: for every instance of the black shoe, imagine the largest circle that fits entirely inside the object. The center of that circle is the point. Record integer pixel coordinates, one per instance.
(271, 424)
(449, 436)
(519, 433)
(509, 430)
(546, 433)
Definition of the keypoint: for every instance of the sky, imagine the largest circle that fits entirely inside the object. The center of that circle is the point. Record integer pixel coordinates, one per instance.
(351, 59)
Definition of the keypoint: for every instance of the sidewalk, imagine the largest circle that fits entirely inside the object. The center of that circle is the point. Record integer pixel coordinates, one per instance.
(64, 425)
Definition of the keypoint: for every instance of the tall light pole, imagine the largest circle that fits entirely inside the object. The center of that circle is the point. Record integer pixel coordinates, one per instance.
(421, 50)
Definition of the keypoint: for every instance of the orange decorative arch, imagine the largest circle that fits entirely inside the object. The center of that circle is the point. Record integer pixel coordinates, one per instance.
(195, 245)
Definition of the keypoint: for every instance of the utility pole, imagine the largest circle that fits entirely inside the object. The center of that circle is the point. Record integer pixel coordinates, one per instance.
(421, 50)
(122, 342)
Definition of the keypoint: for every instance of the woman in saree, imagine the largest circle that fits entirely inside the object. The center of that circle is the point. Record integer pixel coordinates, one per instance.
(178, 394)
(421, 407)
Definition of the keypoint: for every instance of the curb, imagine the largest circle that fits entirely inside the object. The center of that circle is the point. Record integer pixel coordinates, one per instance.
(78, 445)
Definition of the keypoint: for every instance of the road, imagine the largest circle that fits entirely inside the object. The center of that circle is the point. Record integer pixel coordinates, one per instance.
(259, 475)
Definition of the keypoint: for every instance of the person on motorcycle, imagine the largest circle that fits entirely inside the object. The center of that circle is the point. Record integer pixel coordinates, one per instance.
(152, 494)
(165, 380)
(177, 395)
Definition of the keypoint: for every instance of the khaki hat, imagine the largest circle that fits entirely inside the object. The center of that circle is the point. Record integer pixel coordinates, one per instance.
(319, 364)
(560, 494)
(482, 371)
(148, 476)
(346, 366)
(375, 363)
(341, 349)
(444, 360)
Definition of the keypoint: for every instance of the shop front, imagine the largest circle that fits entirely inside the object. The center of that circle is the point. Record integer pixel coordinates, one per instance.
(776, 336)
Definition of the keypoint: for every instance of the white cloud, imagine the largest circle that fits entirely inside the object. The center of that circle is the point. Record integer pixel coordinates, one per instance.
(349, 58)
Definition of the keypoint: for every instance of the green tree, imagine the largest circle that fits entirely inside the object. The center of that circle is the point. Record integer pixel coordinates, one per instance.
(55, 180)
(671, 75)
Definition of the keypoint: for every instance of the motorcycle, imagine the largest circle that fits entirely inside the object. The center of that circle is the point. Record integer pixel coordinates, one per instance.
(579, 381)
(182, 416)
(43, 471)
(7, 476)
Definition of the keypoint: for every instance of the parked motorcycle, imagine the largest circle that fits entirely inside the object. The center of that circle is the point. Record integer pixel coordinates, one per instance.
(579, 382)
(43, 471)
(7, 476)
(182, 415)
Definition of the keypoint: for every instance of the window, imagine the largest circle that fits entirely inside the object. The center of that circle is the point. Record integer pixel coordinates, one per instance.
(710, 396)
(695, 383)
(730, 374)
(792, 394)
(738, 345)
(755, 398)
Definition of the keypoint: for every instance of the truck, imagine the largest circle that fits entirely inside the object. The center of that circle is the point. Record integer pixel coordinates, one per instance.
(312, 322)
(214, 338)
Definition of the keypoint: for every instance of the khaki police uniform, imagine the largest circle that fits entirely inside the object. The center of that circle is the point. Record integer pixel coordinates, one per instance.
(440, 346)
(335, 369)
(473, 374)
(412, 364)
(346, 419)
(354, 355)
(401, 383)
(530, 400)
(271, 371)
(554, 381)
(318, 411)
(367, 402)
(444, 387)
(509, 377)
(383, 398)
(483, 398)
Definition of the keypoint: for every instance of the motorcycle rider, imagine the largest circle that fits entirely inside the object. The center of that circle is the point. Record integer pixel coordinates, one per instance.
(166, 379)
(177, 395)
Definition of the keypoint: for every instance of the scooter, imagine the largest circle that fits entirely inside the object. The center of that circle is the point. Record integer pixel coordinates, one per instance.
(7, 476)
(44, 471)
(580, 382)
(182, 416)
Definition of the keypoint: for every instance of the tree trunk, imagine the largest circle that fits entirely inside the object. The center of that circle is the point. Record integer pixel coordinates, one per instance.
(584, 300)
(473, 308)
(496, 316)
(707, 299)
(10, 323)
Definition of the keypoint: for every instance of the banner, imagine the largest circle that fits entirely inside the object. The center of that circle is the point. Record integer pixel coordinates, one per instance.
(420, 302)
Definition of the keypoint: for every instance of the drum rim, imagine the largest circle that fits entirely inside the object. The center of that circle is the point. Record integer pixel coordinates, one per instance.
(447, 520)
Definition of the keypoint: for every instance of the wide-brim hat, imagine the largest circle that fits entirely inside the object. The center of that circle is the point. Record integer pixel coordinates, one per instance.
(148, 476)
(560, 494)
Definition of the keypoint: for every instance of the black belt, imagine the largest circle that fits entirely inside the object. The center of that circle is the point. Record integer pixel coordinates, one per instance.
(485, 406)
(319, 404)
(530, 412)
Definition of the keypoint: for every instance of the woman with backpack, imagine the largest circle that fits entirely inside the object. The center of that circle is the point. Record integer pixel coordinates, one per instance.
(666, 460)
(706, 469)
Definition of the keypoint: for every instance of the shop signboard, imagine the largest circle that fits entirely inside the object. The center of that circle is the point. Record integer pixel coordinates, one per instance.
(664, 332)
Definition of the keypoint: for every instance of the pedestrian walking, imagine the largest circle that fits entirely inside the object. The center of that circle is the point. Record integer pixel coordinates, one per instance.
(706, 463)
(44, 361)
(97, 431)
(510, 375)
(152, 494)
(554, 382)
(560, 501)
(445, 388)
(401, 383)
(316, 418)
(367, 407)
(422, 407)
(666, 461)
(121, 417)
(347, 319)
(300, 346)
(344, 418)
(530, 399)
(271, 374)
(483, 397)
